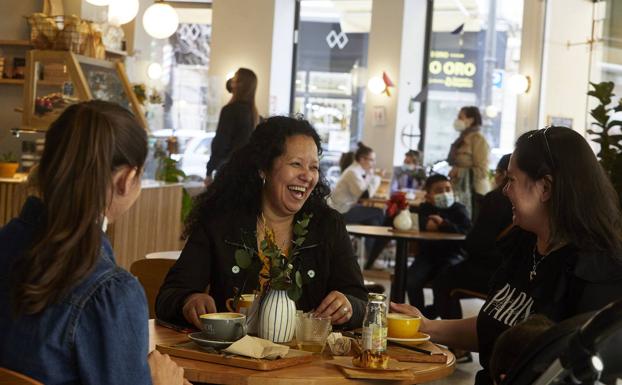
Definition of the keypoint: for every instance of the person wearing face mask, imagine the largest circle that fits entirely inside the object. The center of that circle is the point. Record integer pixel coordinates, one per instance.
(440, 212)
(468, 157)
(410, 175)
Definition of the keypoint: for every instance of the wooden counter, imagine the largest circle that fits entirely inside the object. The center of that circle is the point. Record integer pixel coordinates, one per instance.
(152, 224)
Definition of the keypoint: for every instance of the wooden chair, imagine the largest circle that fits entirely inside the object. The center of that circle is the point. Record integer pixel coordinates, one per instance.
(164, 255)
(13, 378)
(151, 274)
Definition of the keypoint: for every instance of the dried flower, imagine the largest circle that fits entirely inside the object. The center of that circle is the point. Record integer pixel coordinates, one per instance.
(397, 203)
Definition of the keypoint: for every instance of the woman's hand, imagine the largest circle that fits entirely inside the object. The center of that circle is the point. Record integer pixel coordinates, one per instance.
(164, 371)
(411, 311)
(336, 306)
(197, 304)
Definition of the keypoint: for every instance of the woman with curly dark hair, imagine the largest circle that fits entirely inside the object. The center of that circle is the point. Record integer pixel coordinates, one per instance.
(270, 183)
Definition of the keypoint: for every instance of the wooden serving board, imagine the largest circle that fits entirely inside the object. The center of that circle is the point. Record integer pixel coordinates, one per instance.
(406, 355)
(395, 372)
(192, 351)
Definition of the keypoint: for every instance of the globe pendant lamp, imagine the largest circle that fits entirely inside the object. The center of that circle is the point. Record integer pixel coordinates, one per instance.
(160, 20)
(122, 11)
(99, 3)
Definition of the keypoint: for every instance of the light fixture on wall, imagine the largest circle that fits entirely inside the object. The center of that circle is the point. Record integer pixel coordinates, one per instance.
(160, 20)
(379, 85)
(122, 11)
(99, 3)
(154, 71)
(519, 83)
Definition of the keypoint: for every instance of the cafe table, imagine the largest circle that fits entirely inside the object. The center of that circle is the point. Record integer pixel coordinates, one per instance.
(318, 372)
(398, 286)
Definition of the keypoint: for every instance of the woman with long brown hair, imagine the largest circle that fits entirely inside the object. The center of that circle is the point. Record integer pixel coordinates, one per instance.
(68, 314)
(237, 120)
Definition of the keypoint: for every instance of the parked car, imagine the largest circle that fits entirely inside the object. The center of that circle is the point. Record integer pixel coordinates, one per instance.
(194, 148)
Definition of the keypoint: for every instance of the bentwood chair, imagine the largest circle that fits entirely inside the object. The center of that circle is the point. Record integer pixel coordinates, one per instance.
(13, 378)
(151, 274)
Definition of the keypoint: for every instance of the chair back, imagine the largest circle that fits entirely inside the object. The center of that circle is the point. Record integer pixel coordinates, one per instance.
(151, 274)
(164, 254)
(10, 377)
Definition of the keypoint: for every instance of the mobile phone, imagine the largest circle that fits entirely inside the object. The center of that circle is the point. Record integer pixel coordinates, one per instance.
(181, 329)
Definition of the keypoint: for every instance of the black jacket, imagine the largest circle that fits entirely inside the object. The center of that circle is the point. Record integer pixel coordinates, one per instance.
(455, 220)
(327, 263)
(235, 126)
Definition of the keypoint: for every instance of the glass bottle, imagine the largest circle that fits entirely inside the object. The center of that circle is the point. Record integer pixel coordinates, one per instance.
(374, 336)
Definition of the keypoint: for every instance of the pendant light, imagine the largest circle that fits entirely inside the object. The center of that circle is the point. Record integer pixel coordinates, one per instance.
(160, 20)
(122, 11)
(99, 3)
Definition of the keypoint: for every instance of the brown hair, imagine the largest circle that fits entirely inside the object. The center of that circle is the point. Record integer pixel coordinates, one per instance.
(244, 90)
(584, 207)
(472, 112)
(83, 147)
(362, 151)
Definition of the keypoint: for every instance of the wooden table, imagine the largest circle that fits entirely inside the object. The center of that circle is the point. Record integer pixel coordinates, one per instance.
(398, 286)
(318, 372)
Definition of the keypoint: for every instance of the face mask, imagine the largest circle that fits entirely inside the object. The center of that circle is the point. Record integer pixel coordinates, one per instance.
(444, 200)
(459, 125)
(408, 167)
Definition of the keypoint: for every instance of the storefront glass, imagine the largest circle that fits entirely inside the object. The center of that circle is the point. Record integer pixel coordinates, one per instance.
(470, 64)
(330, 64)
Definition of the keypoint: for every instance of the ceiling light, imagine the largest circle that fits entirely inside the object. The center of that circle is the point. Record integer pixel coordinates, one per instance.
(160, 20)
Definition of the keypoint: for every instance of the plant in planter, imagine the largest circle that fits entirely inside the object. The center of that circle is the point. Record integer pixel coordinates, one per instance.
(169, 172)
(605, 135)
(8, 165)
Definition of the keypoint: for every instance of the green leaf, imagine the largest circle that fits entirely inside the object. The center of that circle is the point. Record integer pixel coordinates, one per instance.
(242, 258)
(294, 293)
(603, 91)
(600, 113)
(299, 241)
(298, 229)
(614, 123)
(298, 279)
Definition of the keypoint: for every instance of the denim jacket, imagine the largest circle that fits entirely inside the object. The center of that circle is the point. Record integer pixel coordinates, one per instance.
(97, 334)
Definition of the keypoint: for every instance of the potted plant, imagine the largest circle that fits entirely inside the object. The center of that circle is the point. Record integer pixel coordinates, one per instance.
(8, 165)
(610, 153)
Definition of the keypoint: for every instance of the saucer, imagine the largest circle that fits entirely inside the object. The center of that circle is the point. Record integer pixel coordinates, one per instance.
(418, 339)
(199, 339)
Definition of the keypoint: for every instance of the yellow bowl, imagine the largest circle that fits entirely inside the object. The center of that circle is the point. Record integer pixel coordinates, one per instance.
(402, 325)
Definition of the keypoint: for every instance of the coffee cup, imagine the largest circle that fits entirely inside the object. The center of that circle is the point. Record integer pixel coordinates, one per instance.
(244, 303)
(223, 326)
(402, 325)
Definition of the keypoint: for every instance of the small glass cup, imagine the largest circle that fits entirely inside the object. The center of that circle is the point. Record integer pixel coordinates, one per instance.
(312, 332)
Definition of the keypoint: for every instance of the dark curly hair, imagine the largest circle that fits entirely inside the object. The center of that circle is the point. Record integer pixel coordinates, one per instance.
(238, 184)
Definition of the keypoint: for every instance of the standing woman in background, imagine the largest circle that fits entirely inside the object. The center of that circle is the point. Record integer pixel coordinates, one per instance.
(468, 157)
(237, 120)
(68, 313)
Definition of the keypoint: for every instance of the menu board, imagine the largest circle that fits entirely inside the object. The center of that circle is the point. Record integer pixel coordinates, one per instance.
(105, 84)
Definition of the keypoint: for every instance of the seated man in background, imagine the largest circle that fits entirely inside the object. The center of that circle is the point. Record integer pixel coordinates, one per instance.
(410, 175)
(440, 213)
(482, 254)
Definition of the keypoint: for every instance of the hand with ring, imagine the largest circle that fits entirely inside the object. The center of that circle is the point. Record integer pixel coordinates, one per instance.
(336, 306)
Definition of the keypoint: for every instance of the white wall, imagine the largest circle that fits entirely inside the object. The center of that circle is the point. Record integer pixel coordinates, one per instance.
(396, 43)
(566, 69)
(243, 35)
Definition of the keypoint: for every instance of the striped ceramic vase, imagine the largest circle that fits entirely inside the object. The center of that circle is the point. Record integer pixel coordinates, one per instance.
(277, 317)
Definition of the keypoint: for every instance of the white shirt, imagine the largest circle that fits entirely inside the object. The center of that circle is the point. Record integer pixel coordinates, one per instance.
(352, 183)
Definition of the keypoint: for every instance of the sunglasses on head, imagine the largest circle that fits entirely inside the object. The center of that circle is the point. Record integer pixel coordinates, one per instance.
(543, 131)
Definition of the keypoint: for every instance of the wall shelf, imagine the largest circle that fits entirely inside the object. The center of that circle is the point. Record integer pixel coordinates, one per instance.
(21, 82)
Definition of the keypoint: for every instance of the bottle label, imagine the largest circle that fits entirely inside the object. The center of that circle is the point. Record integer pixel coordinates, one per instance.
(375, 338)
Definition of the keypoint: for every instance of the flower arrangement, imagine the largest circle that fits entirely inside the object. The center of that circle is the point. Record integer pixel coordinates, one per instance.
(396, 203)
(277, 270)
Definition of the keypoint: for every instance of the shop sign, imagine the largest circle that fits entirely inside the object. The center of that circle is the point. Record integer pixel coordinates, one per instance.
(452, 70)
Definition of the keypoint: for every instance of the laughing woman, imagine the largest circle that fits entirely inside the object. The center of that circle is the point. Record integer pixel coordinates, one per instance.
(566, 258)
(269, 184)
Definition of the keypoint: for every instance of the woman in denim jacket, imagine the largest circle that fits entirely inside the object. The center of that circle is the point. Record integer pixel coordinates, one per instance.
(68, 313)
